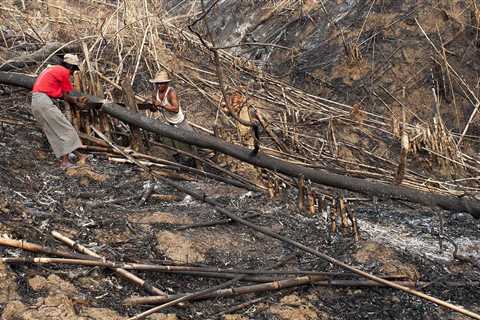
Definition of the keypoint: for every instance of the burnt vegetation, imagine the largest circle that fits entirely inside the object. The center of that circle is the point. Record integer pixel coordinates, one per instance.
(335, 172)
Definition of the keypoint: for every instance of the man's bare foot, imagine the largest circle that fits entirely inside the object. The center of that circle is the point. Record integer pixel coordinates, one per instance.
(66, 164)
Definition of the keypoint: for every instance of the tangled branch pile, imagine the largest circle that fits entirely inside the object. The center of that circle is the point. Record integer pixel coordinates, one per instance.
(134, 39)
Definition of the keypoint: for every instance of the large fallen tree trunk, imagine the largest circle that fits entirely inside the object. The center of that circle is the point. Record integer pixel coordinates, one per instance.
(17, 79)
(372, 188)
(452, 203)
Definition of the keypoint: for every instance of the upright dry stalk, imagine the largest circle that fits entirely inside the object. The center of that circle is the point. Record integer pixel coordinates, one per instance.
(301, 193)
(129, 98)
(311, 203)
(405, 144)
(333, 217)
(342, 210)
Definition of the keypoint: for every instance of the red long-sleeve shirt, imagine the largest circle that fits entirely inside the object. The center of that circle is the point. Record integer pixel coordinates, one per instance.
(54, 81)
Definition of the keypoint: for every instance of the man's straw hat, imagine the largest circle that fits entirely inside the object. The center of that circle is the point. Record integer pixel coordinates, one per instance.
(71, 59)
(160, 77)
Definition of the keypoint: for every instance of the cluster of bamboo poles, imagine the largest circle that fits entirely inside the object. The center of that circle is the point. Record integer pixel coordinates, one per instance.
(290, 107)
(266, 280)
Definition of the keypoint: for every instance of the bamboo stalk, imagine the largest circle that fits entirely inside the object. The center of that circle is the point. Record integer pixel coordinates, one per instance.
(311, 203)
(301, 193)
(213, 223)
(33, 247)
(166, 197)
(282, 284)
(123, 273)
(177, 269)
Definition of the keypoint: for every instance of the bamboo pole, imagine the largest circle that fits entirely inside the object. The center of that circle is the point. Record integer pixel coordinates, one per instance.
(106, 264)
(282, 284)
(180, 269)
(33, 247)
(213, 223)
(123, 273)
(129, 98)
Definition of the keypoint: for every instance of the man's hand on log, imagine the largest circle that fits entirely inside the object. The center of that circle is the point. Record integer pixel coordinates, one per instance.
(153, 105)
(81, 102)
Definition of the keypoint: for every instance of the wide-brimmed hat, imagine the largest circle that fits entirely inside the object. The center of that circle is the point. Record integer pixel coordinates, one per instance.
(71, 59)
(160, 77)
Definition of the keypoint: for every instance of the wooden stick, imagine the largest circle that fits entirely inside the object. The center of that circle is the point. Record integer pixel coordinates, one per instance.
(270, 132)
(166, 197)
(129, 98)
(203, 271)
(301, 193)
(28, 246)
(278, 285)
(213, 223)
(124, 273)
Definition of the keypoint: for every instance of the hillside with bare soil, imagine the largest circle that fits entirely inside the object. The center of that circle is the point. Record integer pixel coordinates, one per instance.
(336, 175)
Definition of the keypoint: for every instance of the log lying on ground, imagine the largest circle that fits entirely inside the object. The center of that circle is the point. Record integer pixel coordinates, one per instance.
(17, 79)
(451, 203)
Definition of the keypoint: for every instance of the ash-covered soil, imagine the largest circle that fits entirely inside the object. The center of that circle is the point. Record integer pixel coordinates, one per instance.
(36, 197)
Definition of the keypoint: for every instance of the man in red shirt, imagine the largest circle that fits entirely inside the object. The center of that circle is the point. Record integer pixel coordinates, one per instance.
(54, 82)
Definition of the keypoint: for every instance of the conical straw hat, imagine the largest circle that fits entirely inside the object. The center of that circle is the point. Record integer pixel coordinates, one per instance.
(160, 77)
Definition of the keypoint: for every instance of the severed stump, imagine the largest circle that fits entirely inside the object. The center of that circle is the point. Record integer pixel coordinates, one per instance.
(129, 100)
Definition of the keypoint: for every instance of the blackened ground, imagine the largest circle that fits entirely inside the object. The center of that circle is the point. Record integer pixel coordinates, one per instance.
(37, 197)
